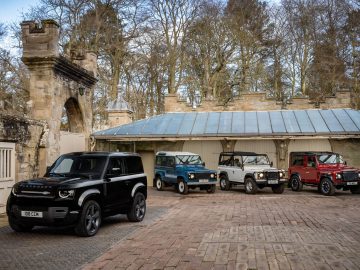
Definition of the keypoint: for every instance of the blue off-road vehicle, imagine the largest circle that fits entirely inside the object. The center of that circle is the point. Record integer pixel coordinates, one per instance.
(184, 170)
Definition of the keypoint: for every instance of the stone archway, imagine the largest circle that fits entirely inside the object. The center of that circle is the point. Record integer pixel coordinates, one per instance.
(72, 138)
(55, 82)
(74, 116)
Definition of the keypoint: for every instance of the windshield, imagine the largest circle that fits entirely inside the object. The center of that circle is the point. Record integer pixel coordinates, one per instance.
(77, 166)
(189, 160)
(256, 160)
(330, 159)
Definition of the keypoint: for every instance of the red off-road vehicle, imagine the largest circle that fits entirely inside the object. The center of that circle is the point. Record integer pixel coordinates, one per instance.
(325, 170)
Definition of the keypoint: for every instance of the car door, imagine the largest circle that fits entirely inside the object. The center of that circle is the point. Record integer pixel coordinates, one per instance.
(170, 172)
(310, 171)
(116, 183)
(237, 170)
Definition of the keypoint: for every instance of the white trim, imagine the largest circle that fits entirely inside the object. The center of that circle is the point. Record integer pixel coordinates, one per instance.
(85, 194)
(138, 185)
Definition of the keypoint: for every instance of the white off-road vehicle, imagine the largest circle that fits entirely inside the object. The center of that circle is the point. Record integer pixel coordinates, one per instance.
(253, 170)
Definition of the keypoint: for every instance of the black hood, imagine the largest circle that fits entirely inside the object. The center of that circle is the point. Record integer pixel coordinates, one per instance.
(49, 182)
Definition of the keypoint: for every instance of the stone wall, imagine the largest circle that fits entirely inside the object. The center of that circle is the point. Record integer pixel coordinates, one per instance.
(257, 102)
(28, 137)
(57, 82)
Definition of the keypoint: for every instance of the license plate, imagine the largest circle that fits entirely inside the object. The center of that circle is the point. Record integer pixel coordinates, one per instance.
(32, 214)
(273, 181)
(352, 183)
(203, 180)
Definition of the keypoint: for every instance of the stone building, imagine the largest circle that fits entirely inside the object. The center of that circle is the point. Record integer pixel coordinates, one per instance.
(29, 144)
(250, 123)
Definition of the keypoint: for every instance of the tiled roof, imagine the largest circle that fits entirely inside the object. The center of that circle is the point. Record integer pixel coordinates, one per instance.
(241, 124)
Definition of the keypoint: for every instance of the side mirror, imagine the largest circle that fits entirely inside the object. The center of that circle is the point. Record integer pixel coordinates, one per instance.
(345, 163)
(203, 164)
(271, 163)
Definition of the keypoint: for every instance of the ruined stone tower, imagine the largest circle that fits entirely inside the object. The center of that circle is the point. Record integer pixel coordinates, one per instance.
(56, 83)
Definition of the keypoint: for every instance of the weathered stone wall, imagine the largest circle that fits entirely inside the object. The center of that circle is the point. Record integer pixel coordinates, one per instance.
(57, 82)
(27, 135)
(257, 102)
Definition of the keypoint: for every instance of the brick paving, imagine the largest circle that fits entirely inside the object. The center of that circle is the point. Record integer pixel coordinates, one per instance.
(232, 230)
(225, 230)
(50, 248)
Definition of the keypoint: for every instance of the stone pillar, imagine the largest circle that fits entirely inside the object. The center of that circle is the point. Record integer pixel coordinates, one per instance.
(282, 147)
(228, 146)
(56, 82)
(119, 117)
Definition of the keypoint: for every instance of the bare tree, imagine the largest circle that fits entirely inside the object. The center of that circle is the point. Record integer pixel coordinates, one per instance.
(172, 18)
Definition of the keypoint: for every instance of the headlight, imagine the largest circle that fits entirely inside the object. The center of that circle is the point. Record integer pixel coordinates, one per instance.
(14, 190)
(338, 176)
(359, 175)
(281, 174)
(66, 194)
(213, 175)
(191, 175)
(261, 175)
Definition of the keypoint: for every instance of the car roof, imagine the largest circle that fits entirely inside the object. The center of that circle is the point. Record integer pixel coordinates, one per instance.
(102, 154)
(240, 153)
(312, 153)
(175, 153)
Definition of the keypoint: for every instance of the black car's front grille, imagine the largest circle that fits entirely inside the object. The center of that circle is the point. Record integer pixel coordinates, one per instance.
(350, 176)
(272, 175)
(35, 190)
(202, 175)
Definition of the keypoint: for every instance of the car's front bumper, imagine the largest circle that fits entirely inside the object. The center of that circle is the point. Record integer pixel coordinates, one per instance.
(272, 181)
(202, 183)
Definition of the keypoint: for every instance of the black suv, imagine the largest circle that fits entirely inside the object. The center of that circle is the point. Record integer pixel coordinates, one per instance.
(80, 189)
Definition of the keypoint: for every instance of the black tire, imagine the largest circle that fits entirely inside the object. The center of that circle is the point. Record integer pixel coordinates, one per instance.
(159, 184)
(17, 227)
(278, 189)
(138, 208)
(295, 183)
(327, 187)
(90, 219)
(182, 187)
(250, 186)
(355, 190)
(224, 183)
(211, 189)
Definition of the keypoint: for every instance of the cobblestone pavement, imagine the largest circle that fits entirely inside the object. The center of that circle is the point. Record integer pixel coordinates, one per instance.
(49, 248)
(232, 230)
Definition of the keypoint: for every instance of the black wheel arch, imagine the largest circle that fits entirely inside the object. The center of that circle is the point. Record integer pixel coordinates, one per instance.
(222, 173)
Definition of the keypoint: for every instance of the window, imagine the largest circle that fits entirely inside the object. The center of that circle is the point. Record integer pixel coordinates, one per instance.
(298, 161)
(134, 165)
(78, 166)
(188, 160)
(115, 168)
(256, 160)
(226, 160)
(311, 162)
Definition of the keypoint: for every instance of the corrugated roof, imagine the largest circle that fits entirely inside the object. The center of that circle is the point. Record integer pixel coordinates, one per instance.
(241, 124)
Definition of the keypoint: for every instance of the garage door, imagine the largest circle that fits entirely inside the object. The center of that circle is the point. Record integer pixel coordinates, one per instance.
(148, 159)
(208, 150)
(258, 146)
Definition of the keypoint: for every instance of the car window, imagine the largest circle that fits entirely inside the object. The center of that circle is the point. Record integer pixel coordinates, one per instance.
(311, 162)
(330, 159)
(256, 160)
(133, 165)
(115, 167)
(226, 160)
(298, 161)
(78, 166)
(188, 159)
